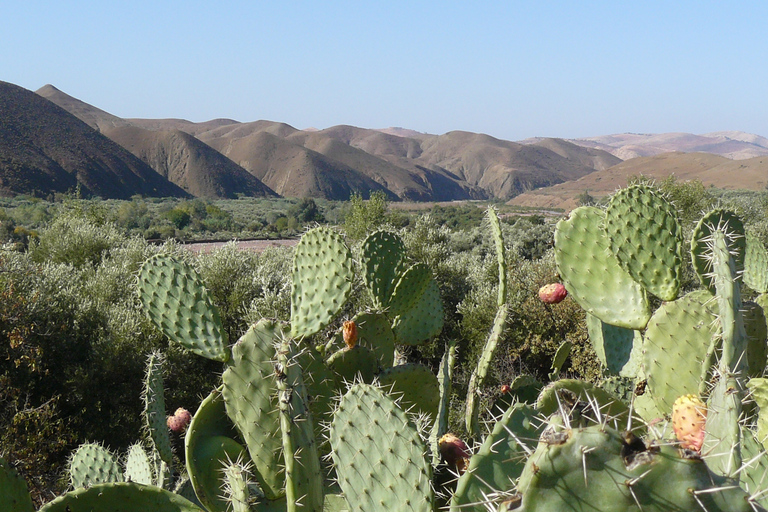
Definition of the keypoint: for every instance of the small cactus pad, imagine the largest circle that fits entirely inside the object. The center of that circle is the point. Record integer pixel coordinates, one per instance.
(93, 464)
(701, 243)
(375, 332)
(379, 456)
(592, 274)
(500, 459)
(382, 259)
(354, 364)
(722, 443)
(13, 490)
(414, 385)
(250, 394)
(619, 349)
(754, 476)
(646, 237)
(689, 415)
(758, 392)
(409, 289)
(138, 468)
(154, 408)
(322, 280)
(753, 316)
(177, 302)
(564, 393)
(121, 497)
(756, 265)
(423, 321)
(678, 343)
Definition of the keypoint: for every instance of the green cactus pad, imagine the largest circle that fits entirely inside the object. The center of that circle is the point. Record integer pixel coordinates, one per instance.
(383, 262)
(678, 348)
(611, 408)
(409, 288)
(646, 237)
(353, 364)
(250, 394)
(414, 385)
(237, 486)
(756, 265)
(753, 316)
(596, 469)
(619, 349)
(701, 243)
(379, 456)
(13, 490)
(210, 442)
(722, 447)
(500, 459)
(120, 497)
(559, 359)
(322, 280)
(423, 321)
(758, 392)
(93, 464)
(154, 408)
(592, 274)
(176, 300)
(375, 332)
(754, 476)
(138, 468)
(303, 476)
(444, 379)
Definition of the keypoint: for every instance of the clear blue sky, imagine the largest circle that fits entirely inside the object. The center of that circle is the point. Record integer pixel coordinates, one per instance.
(510, 69)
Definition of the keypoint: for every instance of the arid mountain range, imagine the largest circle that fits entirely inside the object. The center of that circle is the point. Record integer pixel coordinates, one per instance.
(50, 141)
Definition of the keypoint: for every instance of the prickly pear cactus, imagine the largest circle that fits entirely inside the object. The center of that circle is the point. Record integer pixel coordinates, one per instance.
(138, 467)
(592, 274)
(176, 300)
(120, 497)
(379, 456)
(13, 490)
(93, 464)
(154, 408)
(322, 280)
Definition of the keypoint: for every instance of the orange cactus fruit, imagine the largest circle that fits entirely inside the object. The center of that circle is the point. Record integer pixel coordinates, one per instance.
(349, 331)
(689, 416)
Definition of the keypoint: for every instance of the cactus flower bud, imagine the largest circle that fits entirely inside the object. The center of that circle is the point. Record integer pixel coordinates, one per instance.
(349, 331)
(552, 293)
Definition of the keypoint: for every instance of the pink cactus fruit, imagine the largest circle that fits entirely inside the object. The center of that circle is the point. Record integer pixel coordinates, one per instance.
(454, 452)
(689, 415)
(179, 421)
(552, 293)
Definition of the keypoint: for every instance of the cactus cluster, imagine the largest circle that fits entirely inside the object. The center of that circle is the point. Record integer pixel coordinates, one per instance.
(306, 419)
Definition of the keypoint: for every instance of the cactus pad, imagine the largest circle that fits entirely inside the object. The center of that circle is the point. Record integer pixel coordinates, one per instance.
(414, 385)
(351, 364)
(322, 280)
(250, 394)
(177, 302)
(93, 464)
(756, 265)
(646, 237)
(154, 408)
(138, 468)
(678, 348)
(375, 332)
(619, 349)
(379, 456)
(701, 243)
(14, 490)
(592, 274)
(382, 259)
(423, 321)
(120, 497)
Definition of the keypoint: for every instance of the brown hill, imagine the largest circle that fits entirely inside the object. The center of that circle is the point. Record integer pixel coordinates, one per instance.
(94, 117)
(503, 168)
(189, 163)
(712, 170)
(293, 170)
(44, 149)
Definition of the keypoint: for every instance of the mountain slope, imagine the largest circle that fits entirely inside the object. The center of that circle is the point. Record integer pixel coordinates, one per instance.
(712, 170)
(189, 163)
(92, 116)
(44, 149)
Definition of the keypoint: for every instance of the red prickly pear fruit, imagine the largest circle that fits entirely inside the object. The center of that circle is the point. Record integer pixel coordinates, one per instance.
(505, 389)
(179, 421)
(349, 331)
(454, 452)
(552, 293)
(689, 416)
